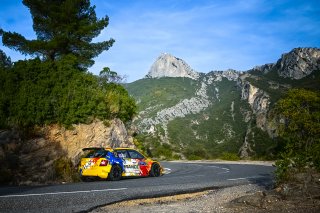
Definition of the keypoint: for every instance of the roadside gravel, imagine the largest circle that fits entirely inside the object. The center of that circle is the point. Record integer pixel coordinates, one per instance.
(207, 201)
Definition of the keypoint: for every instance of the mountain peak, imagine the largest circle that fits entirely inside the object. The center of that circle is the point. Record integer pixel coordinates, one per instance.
(299, 62)
(296, 64)
(168, 65)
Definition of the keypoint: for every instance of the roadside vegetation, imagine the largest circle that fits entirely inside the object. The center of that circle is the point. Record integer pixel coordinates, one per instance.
(53, 85)
(299, 126)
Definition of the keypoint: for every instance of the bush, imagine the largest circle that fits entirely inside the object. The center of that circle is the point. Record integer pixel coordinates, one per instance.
(298, 115)
(196, 153)
(229, 156)
(65, 170)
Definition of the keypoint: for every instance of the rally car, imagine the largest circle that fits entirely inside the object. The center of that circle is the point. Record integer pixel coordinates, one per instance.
(113, 164)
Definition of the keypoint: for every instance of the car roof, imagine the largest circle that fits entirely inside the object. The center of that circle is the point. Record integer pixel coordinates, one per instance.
(107, 148)
(97, 148)
(121, 148)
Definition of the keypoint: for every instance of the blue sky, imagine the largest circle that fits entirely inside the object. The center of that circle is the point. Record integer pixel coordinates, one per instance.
(207, 34)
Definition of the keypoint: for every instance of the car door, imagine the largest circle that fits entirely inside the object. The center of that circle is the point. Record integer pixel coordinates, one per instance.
(140, 161)
(130, 166)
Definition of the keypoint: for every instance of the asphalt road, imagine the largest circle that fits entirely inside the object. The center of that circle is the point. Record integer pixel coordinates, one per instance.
(179, 178)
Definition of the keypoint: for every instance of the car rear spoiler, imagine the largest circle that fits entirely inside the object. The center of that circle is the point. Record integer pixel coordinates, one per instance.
(95, 148)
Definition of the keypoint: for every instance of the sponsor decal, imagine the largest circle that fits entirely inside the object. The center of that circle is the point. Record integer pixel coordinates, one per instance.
(90, 163)
(131, 166)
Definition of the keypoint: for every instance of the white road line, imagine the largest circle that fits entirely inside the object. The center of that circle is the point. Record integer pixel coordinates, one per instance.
(58, 193)
(244, 178)
(238, 179)
(225, 171)
(166, 171)
(214, 166)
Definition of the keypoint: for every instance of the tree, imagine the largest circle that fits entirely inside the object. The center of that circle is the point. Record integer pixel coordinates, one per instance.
(108, 76)
(5, 62)
(5, 87)
(62, 27)
(299, 116)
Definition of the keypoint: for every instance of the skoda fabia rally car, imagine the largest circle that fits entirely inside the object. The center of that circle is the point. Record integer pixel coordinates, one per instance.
(113, 164)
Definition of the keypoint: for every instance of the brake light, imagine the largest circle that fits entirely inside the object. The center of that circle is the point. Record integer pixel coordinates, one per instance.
(104, 163)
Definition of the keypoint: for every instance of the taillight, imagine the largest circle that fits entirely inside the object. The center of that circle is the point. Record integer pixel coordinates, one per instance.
(104, 163)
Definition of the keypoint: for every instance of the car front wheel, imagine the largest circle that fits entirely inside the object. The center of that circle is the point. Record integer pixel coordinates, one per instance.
(155, 170)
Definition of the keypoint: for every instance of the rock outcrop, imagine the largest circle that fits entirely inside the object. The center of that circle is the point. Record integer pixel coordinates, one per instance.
(32, 161)
(230, 74)
(264, 68)
(95, 134)
(299, 63)
(169, 66)
(296, 64)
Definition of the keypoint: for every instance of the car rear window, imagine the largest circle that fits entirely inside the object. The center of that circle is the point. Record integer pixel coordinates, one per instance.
(101, 153)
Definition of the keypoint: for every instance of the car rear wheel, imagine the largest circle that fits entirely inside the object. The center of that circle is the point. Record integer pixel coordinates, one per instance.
(84, 179)
(115, 173)
(155, 170)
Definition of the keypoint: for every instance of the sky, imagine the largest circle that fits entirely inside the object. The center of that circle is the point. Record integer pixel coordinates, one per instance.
(207, 34)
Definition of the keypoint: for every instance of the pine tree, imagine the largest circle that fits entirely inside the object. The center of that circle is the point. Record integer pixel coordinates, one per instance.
(5, 61)
(62, 27)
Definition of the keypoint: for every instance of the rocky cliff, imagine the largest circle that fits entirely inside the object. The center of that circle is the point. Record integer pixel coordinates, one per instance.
(296, 64)
(96, 134)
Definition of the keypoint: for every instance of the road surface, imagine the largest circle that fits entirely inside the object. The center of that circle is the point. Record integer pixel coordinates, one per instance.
(179, 177)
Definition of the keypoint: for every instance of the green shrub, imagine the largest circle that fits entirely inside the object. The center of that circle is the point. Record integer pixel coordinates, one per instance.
(229, 156)
(299, 114)
(196, 153)
(65, 170)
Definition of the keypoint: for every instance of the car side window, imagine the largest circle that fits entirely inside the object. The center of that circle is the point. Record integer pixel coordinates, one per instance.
(135, 154)
(122, 154)
(115, 154)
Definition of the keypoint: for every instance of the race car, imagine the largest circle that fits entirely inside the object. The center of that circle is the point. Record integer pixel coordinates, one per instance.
(113, 164)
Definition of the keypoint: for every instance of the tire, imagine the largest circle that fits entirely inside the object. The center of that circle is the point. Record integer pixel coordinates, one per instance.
(115, 173)
(155, 170)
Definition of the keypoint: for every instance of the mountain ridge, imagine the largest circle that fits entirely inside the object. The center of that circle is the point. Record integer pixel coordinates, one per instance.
(222, 112)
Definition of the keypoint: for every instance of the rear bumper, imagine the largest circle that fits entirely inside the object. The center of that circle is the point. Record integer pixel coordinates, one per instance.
(101, 173)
